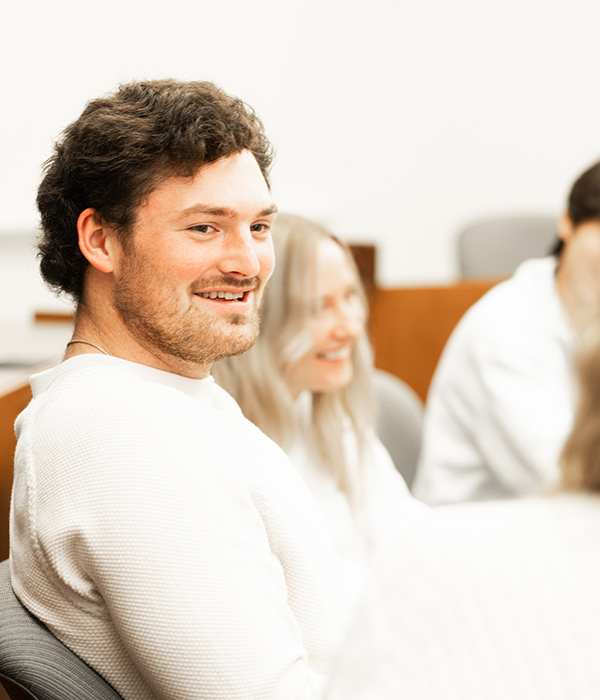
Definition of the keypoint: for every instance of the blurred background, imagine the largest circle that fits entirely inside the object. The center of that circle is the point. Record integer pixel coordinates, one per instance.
(395, 122)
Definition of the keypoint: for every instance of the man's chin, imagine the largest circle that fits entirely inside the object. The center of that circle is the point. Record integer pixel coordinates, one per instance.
(239, 345)
(241, 320)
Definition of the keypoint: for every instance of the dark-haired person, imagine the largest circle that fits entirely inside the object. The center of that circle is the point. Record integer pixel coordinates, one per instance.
(492, 600)
(156, 531)
(501, 402)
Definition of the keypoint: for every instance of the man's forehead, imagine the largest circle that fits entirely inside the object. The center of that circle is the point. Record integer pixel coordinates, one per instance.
(227, 187)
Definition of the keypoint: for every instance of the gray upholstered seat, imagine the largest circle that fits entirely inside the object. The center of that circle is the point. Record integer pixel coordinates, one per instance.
(496, 247)
(399, 421)
(34, 664)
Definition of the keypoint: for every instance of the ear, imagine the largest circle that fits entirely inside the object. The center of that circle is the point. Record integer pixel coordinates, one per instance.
(97, 241)
(566, 229)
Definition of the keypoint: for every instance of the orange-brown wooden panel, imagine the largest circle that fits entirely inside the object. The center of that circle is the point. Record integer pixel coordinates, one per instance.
(11, 404)
(410, 326)
(53, 317)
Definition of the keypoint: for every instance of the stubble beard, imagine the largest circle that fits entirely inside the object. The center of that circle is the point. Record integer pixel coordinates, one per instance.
(190, 336)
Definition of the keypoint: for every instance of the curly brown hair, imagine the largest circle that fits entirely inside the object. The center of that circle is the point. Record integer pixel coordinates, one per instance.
(121, 148)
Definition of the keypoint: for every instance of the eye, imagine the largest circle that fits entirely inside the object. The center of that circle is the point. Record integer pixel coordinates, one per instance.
(260, 228)
(203, 228)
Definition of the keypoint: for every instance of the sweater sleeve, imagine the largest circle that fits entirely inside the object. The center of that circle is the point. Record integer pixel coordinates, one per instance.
(155, 529)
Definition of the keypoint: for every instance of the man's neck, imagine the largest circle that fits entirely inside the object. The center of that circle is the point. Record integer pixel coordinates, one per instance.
(106, 333)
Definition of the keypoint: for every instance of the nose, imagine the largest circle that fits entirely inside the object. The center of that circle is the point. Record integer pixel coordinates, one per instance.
(240, 256)
(349, 322)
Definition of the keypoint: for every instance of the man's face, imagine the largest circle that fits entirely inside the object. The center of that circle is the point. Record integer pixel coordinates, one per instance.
(190, 280)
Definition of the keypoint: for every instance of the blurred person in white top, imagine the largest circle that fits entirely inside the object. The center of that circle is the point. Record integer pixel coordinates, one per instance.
(502, 399)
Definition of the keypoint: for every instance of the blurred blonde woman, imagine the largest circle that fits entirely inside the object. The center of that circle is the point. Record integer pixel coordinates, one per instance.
(306, 384)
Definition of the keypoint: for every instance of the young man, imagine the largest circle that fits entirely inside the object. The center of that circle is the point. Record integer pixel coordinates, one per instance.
(155, 531)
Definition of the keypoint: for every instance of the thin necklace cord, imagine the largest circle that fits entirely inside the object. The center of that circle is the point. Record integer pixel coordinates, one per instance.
(87, 342)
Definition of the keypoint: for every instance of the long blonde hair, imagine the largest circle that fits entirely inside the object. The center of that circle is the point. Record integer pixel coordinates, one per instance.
(580, 459)
(256, 379)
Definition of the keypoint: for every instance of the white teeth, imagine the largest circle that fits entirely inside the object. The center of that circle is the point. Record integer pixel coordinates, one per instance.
(341, 354)
(221, 295)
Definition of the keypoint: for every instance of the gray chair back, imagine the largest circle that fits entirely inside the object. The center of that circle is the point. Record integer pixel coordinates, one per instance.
(496, 247)
(34, 664)
(399, 421)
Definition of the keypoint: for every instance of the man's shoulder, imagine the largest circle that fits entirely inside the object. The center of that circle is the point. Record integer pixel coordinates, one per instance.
(111, 421)
(96, 385)
(112, 412)
(115, 400)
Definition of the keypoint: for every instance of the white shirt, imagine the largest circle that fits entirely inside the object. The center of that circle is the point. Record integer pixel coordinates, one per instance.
(501, 402)
(167, 541)
(385, 505)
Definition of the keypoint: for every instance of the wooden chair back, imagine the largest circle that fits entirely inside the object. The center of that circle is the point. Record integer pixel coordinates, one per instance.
(12, 402)
(410, 326)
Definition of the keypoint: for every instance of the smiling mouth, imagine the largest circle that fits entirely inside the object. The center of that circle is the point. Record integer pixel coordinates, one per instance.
(332, 356)
(225, 296)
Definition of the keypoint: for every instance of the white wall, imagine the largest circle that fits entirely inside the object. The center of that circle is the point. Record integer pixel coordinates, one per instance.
(395, 121)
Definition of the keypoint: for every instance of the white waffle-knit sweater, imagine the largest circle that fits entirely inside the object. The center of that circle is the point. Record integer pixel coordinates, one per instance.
(166, 540)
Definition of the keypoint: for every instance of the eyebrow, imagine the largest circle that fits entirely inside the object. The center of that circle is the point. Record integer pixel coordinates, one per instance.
(223, 211)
